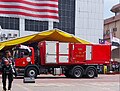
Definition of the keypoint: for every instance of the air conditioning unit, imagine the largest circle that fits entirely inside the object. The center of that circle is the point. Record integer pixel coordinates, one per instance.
(9, 35)
(114, 29)
(15, 35)
(4, 35)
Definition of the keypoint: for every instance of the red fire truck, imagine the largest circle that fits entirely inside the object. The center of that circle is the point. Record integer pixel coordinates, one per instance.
(71, 59)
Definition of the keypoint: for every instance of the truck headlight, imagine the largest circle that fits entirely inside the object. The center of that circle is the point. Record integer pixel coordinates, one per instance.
(28, 59)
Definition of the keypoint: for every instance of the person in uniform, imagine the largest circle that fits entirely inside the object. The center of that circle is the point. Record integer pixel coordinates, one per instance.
(8, 70)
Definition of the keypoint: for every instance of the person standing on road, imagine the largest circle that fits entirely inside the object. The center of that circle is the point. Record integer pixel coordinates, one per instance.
(7, 70)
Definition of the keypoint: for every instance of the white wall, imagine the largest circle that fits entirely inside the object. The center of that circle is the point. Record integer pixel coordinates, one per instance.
(89, 20)
(6, 32)
(12, 32)
(19, 33)
(25, 33)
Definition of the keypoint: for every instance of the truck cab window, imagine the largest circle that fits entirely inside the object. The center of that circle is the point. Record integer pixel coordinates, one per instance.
(22, 53)
(16, 54)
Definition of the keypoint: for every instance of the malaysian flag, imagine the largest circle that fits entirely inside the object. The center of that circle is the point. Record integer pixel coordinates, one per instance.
(42, 10)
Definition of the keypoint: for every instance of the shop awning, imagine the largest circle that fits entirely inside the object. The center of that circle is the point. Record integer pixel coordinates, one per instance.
(50, 35)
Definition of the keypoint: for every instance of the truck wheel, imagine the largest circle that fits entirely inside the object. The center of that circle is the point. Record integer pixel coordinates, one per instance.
(31, 72)
(90, 73)
(77, 73)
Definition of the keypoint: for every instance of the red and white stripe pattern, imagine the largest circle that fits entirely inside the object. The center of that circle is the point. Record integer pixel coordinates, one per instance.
(42, 10)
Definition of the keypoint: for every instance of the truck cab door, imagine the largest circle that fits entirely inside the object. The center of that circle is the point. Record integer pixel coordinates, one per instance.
(22, 56)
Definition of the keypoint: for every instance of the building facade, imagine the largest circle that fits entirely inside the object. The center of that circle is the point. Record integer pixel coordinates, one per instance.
(82, 18)
(112, 25)
(89, 20)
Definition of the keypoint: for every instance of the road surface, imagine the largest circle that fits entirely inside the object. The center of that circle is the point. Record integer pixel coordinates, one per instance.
(61, 83)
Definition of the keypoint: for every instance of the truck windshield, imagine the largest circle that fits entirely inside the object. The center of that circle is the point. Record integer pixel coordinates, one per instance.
(21, 53)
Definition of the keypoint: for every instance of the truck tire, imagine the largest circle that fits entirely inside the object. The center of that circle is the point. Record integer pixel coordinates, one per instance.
(90, 73)
(77, 72)
(31, 72)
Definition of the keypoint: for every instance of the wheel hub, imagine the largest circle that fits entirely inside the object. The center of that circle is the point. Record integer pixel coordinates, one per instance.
(77, 73)
(32, 73)
(91, 73)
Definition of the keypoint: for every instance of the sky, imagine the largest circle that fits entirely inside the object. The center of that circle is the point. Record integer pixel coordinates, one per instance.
(108, 4)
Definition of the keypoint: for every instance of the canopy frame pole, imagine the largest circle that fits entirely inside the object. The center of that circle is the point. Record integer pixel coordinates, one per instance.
(21, 27)
(50, 25)
(1, 39)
